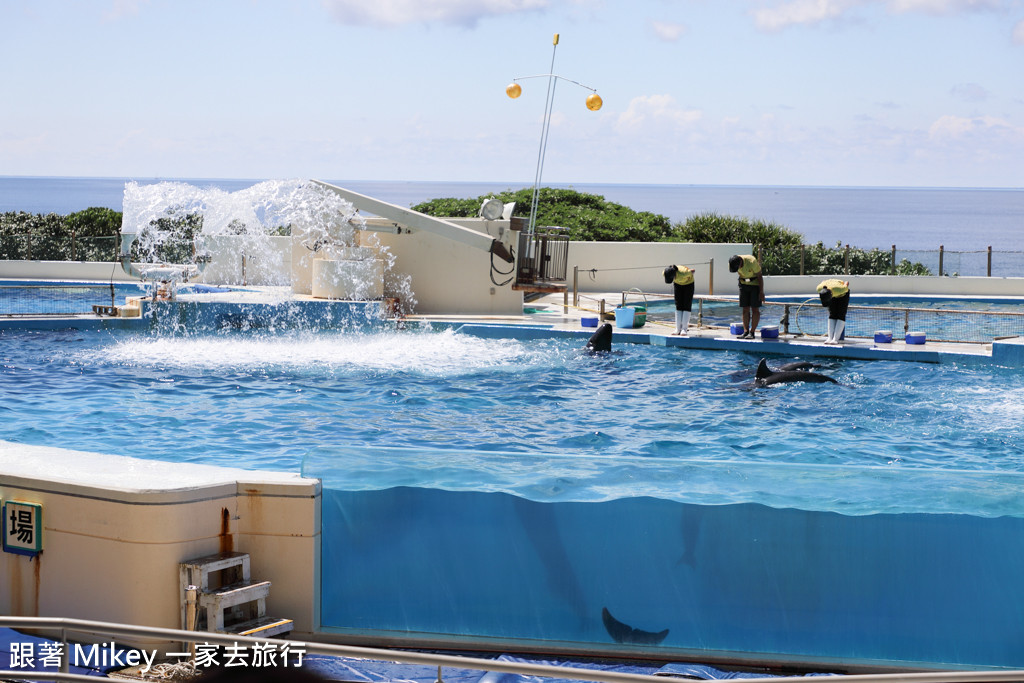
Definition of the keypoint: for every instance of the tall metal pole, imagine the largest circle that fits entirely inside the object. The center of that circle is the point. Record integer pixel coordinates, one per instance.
(514, 90)
(545, 127)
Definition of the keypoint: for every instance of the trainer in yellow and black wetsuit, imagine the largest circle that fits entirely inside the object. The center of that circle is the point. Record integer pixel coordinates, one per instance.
(681, 279)
(751, 291)
(836, 295)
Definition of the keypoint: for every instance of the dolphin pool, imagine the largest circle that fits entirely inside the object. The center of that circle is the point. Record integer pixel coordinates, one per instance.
(481, 490)
(268, 399)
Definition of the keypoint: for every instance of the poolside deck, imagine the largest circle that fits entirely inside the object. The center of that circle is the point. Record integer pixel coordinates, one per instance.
(550, 317)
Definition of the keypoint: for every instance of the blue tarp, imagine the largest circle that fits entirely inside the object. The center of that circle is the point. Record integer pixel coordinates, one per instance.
(351, 669)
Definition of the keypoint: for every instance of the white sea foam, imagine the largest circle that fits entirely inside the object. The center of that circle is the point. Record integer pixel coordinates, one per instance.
(444, 354)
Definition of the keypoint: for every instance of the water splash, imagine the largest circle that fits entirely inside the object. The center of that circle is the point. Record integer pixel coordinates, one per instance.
(177, 222)
(425, 354)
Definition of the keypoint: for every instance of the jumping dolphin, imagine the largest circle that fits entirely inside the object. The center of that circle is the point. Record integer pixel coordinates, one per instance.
(601, 340)
(623, 633)
(765, 376)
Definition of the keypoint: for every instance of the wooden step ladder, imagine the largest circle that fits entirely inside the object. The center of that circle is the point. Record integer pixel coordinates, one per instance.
(228, 600)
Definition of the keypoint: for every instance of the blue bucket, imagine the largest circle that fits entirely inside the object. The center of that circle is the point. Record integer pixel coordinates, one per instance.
(883, 337)
(589, 321)
(736, 328)
(770, 332)
(630, 316)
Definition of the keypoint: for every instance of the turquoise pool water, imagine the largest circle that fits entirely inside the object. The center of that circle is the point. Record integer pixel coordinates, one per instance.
(490, 491)
(267, 400)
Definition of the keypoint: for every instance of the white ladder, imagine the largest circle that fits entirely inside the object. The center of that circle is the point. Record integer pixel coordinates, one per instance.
(228, 600)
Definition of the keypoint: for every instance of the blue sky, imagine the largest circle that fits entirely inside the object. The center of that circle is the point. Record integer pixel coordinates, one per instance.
(768, 92)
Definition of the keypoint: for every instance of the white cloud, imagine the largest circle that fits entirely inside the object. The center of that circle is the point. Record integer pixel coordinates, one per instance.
(385, 13)
(810, 12)
(941, 6)
(655, 110)
(969, 92)
(952, 128)
(123, 8)
(797, 12)
(1018, 33)
(667, 31)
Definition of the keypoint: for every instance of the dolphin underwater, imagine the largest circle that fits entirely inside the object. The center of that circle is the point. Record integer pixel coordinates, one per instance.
(600, 340)
(623, 633)
(765, 376)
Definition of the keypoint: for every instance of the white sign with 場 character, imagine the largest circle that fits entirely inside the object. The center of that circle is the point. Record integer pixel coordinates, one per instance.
(23, 527)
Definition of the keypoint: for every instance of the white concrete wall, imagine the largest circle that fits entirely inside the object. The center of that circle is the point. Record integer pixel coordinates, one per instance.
(448, 277)
(116, 528)
(451, 277)
(63, 270)
(623, 265)
(234, 264)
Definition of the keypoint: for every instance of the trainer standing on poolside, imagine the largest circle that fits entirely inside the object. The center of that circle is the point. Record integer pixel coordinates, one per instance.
(835, 294)
(751, 291)
(681, 279)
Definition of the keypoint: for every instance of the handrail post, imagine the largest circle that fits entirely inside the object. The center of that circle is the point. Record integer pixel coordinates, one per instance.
(191, 611)
(941, 252)
(65, 659)
(576, 286)
(711, 276)
(989, 261)
(894, 259)
(846, 260)
(802, 253)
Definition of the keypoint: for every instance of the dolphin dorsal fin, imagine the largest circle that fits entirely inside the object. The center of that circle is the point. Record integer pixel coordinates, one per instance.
(762, 369)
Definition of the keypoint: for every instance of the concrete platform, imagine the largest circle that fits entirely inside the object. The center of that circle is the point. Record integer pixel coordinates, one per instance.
(548, 317)
(551, 318)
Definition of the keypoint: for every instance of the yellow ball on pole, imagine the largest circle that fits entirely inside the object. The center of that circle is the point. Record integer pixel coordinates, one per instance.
(514, 90)
(594, 102)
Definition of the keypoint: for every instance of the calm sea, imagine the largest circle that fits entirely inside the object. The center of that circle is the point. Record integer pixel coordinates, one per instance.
(910, 218)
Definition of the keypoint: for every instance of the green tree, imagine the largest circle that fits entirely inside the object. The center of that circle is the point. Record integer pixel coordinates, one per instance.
(591, 218)
(776, 244)
(586, 217)
(95, 232)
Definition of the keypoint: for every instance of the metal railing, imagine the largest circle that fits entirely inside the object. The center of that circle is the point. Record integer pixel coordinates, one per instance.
(32, 247)
(849, 260)
(64, 627)
(810, 318)
(55, 300)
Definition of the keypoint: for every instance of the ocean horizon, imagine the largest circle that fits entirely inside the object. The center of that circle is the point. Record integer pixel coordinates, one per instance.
(911, 218)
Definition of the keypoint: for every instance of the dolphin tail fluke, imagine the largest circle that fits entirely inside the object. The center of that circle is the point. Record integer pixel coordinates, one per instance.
(626, 634)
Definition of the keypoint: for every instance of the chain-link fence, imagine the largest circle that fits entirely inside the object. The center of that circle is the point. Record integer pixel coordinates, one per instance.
(816, 259)
(64, 299)
(34, 247)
